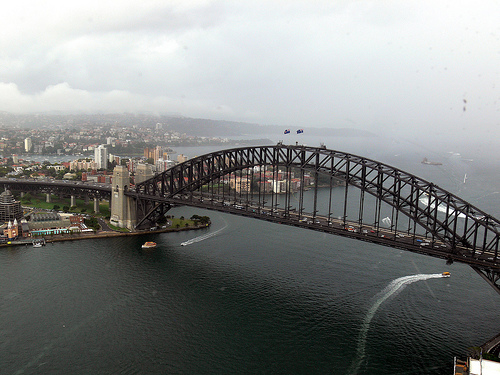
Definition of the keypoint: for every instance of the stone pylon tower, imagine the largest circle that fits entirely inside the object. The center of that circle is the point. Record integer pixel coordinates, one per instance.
(122, 207)
(143, 172)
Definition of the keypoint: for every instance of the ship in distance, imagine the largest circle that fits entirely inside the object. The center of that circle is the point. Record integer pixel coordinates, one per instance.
(425, 161)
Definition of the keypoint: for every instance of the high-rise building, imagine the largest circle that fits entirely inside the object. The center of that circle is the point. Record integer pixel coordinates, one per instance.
(101, 157)
(10, 209)
(28, 145)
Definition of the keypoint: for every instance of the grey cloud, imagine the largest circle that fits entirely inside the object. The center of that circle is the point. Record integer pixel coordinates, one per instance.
(393, 65)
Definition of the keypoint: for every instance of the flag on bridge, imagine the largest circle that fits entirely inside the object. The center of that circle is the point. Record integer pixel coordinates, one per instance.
(287, 131)
(300, 131)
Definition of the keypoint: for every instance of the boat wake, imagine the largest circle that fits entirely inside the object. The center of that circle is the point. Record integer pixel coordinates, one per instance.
(426, 200)
(394, 287)
(204, 237)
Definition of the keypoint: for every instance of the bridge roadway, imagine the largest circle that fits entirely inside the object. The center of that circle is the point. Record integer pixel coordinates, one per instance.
(78, 188)
(353, 229)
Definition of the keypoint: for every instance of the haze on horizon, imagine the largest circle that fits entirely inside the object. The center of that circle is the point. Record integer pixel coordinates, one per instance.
(401, 67)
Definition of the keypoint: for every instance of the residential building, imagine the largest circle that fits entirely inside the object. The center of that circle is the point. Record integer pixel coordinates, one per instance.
(101, 157)
(28, 145)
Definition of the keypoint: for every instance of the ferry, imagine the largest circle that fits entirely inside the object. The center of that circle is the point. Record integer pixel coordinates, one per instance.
(39, 243)
(149, 245)
(446, 274)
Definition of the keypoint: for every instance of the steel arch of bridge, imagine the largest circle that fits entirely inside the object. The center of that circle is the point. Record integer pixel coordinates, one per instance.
(419, 215)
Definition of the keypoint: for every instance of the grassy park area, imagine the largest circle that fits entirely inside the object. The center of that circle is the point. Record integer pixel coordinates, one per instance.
(63, 204)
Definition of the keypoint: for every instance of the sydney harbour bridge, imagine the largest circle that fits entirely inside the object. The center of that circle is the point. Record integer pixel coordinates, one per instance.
(309, 187)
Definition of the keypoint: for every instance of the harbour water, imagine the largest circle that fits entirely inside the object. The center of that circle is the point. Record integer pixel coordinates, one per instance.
(247, 297)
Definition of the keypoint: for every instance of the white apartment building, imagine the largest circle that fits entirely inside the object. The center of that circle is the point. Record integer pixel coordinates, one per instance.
(101, 157)
(27, 144)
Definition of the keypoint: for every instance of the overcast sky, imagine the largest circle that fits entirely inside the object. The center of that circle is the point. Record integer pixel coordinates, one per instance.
(412, 64)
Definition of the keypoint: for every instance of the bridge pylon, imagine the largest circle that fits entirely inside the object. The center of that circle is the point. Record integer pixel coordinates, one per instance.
(122, 207)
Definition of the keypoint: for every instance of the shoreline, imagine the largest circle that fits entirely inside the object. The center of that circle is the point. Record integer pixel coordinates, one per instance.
(99, 234)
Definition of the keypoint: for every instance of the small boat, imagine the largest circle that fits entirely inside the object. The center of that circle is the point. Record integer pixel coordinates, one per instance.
(149, 245)
(446, 274)
(37, 244)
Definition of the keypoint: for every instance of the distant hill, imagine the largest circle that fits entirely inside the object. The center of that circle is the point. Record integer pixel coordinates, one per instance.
(191, 126)
(208, 128)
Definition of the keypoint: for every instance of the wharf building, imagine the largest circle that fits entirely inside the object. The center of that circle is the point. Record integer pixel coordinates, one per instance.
(50, 223)
(15, 230)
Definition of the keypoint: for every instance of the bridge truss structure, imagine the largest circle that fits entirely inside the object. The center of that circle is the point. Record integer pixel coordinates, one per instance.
(334, 192)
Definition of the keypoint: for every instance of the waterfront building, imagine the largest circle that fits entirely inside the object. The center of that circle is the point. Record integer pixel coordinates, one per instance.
(48, 220)
(12, 230)
(240, 184)
(17, 229)
(101, 157)
(279, 186)
(10, 209)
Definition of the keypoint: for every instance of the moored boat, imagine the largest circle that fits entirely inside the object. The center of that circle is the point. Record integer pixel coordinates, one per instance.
(149, 245)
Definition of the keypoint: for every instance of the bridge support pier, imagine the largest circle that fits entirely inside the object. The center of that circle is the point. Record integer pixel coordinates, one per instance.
(123, 213)
(22, 194)
(48, 198)
(96, 205)
(86, 199)
(72, 201)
